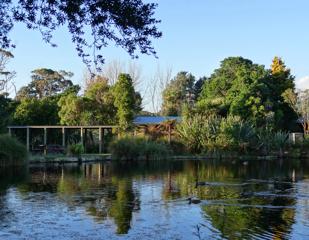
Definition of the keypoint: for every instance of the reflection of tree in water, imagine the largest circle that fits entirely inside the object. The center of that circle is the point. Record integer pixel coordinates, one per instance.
(238, 206)
(101, 195)
(122, 204)
(106, 191)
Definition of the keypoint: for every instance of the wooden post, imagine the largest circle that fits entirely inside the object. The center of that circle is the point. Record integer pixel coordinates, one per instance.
(100, 140)
(45, 141)
(10, 132)
(28, 139)
(45, 136)
(63, 137)
(169, 133)
(82, 136)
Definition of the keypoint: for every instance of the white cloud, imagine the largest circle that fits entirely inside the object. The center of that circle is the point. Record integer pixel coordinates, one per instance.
(302, 83)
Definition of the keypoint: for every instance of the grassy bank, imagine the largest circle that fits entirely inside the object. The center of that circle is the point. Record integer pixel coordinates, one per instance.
(12, 152)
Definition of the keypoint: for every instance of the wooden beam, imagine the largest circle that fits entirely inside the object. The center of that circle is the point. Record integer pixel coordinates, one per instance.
(59, 127)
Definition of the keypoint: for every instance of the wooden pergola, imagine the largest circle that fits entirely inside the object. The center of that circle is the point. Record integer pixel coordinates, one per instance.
(101, 129)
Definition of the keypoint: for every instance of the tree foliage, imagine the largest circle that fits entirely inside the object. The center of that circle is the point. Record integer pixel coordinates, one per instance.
(129, 24)
(32, 111)
(101, 101)
(7, 108)
(6, 76)
(73, 110)
(46, 83)
(280, 84)
(175, 94)
(125, 101)
(240, 87)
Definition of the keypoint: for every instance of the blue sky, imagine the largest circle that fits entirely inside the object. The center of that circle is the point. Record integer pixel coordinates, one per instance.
(197, 35)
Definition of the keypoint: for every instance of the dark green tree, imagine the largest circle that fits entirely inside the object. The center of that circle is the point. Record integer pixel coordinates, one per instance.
(280, 82)
(32, 111)
(7, 108)
(101, 101)
(175, 95)
(125, 101)
(129, 24)
(73, 110)
(236, 88)
(46, 83)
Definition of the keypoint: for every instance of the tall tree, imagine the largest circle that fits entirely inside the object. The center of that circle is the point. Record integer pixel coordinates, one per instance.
(281, 81)
(102, 101)
(177, 92)
(73, 110)
(46, 83)
(6, 76)
(7, 108)
(129, 24)
(125, 101)
(236, 88)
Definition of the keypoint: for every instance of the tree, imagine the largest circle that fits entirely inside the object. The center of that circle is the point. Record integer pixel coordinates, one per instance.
(112, 70)
(7, 108)
(46, 83)
(156, 86)
(299, 102)
(101, 101)
(5, 75)
(241, 87)
(73, 110)
(236, 88)
(175, 93)
(129, 24)
(281, 81)
(32, 111)
(125, 101)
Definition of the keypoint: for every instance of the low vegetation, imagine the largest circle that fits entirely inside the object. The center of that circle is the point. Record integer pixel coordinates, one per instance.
(138, 148)
(12, 152)
(213, 134)
(75, 149)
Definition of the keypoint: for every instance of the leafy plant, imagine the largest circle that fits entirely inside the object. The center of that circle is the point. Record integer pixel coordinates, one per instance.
(76, 149)
(12, 152)
(136, 148)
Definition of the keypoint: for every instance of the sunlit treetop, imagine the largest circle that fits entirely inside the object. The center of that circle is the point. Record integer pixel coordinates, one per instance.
(129, 24)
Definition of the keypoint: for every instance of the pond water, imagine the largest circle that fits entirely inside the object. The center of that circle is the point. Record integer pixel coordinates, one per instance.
(251, 200)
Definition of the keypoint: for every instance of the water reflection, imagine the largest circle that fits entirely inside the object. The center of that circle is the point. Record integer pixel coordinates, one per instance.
(261, 199)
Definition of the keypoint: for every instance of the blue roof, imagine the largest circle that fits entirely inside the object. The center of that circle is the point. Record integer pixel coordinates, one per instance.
(147, 120)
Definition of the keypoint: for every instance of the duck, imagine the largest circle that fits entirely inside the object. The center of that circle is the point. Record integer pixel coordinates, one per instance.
(194, 200)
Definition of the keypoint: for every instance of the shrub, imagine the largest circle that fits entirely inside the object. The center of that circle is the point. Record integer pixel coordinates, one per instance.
(137, 148)
(76, 149)
(212, 133)
(198, 132)
(12, 152)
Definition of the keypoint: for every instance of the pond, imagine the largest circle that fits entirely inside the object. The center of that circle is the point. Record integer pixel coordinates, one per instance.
(149, 200)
